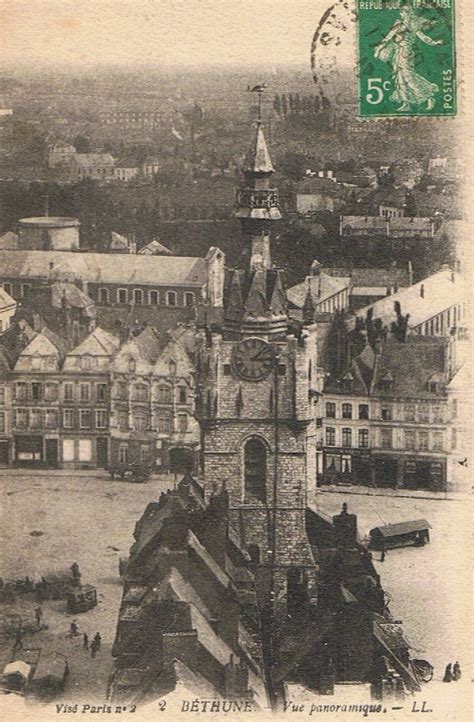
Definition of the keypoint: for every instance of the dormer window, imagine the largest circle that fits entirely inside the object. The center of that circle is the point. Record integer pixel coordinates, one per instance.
(433, 386)
(386, 382)
(347, 383)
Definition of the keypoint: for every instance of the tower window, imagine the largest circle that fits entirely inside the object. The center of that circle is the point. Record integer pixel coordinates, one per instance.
(281, 370)
(255, 469)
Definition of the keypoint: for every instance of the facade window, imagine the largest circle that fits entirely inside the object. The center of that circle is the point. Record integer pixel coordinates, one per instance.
(409, 412)
(332, 462)
(346, 466)
(164, 395)
(85, 392)
(330, 436)
(68, 418)
(454, 438)
(255, 469)
(123, 422)
(68, 392)
(172, 367)
(189, 298)
(363, 411)
(101, 392)
(140, 392)
(386, 413)
(50, 392)
(2, 394)
(104, 295)
(423, 440)
(21, 418)
(2, 422)
(182, 422)
(423, 413)
(227, 370)
(123, 453)
(85, 418)
(21, 391)
(85, 450)
(122, 295)
(183, 396)
(36, 391)
(165, 425)
(330, 410)
(25, 289)
(140, 422)
(8, 288)
(437, 414)
(121, 390)
(409, 438)
(363, 438)
(132, 365)
(347, 411)
(51, 418)
(281, 370)
(144, 453)
(454, 408)
(36, 419)
(386, 438)
(433, 387)
(346, 437)
(154, 299)
(438, 441)
(171, 298)
(101, 419)
(68, 449)
(138, 296)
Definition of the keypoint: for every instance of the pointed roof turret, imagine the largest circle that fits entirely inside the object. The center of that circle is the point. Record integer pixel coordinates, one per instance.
(258, 158)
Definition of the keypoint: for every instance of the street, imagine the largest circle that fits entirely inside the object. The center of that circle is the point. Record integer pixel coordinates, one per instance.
(50, 522)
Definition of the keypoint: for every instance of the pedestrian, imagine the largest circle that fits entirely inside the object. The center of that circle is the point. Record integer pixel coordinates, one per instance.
(39, 616)
(382, 558)
(85, 641)
(76, 574)
(66, 671)
(18, 639)
(73, 628)
(98, 640)
(448, 675)
(456, 671)
(94, 648)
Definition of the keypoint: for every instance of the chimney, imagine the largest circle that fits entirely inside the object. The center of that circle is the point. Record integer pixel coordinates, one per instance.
(422, 290)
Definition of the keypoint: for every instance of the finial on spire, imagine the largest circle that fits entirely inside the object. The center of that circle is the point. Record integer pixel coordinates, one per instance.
(260, 88)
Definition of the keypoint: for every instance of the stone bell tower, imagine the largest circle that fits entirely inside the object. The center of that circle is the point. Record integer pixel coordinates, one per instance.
(256, 392)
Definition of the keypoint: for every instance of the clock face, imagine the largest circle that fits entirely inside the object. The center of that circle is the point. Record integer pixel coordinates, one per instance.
(253, 359)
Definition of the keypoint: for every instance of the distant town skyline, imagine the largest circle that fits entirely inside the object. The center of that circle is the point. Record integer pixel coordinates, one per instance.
(164, 32)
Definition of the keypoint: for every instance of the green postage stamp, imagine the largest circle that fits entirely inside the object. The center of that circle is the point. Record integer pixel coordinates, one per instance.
(407, 58)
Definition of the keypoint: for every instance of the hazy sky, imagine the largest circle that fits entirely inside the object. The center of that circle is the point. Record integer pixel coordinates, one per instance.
(158, 31)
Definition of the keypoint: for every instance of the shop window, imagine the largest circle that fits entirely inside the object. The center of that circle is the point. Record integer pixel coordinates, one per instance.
(85, 450)
(255, 469)
(346, 464)
(330, 410)
(330, 436)
(347, 411)
(346, 437)
(363, 438)
(363, 411)
(68, 449)
(332, 462)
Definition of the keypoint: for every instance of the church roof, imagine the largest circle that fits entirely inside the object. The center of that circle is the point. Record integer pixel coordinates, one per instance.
(258, 158)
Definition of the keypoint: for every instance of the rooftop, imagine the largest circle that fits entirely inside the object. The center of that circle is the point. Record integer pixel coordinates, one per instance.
(50, 221)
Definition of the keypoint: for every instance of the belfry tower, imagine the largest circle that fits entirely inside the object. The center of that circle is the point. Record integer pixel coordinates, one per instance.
(257, 384)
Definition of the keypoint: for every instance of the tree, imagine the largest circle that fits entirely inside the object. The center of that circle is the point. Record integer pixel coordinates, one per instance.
(277, 104)
(284, 105)
(82, 144)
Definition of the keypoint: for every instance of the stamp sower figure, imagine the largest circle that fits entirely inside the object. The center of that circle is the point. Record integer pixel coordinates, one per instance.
(448, 675)
(399, 48)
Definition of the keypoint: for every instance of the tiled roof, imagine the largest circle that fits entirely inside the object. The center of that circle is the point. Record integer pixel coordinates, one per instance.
(440, 292)
(105, 267)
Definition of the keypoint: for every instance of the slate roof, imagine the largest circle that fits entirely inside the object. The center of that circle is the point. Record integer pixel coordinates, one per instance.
(404, 527)
(74, 296)
(258, 158)
(366, 277)
(155, 248)
(322, 286)
(98, 343)
(105, 267)
(440, 293)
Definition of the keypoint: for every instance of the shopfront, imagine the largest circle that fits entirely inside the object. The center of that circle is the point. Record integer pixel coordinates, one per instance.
(346, 466)
(424, 473)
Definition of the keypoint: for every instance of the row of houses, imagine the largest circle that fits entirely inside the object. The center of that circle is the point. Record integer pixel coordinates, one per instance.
(99, 403)
(99, 166)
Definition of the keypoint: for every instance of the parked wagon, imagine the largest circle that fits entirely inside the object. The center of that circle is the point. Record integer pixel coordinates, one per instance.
(406, 533)
(81, 599)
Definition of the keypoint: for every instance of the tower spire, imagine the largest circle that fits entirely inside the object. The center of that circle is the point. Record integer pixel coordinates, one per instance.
(257, 202)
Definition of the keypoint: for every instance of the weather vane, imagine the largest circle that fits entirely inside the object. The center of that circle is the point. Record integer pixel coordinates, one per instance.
(258, 89)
